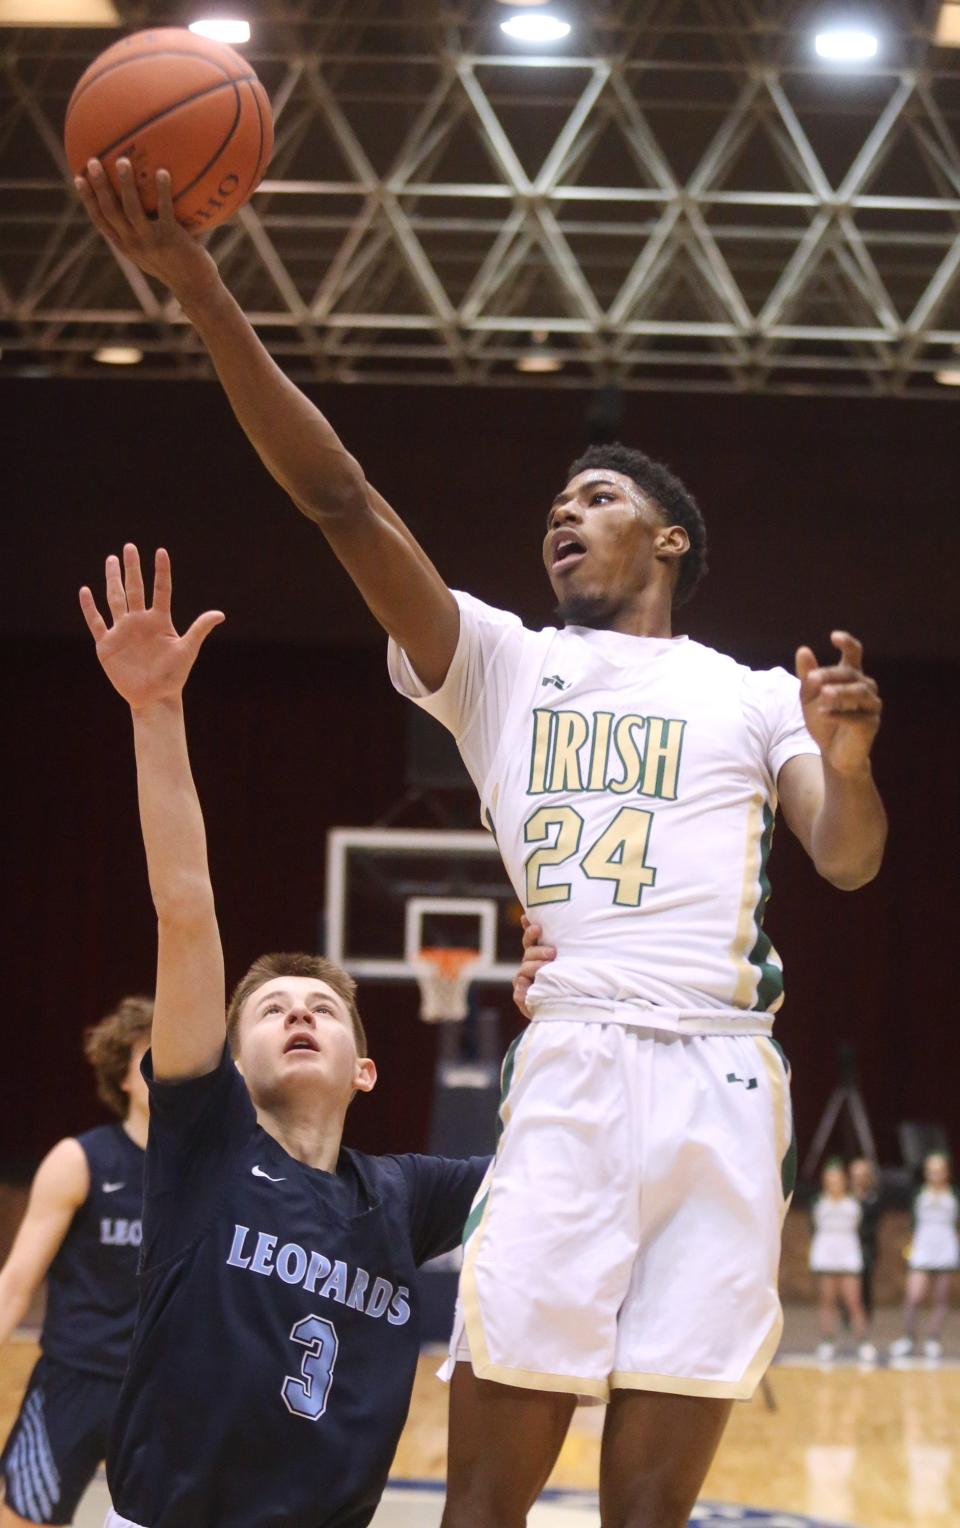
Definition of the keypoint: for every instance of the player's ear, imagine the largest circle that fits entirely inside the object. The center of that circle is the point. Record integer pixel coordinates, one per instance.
(365, 1076)
(671, 542)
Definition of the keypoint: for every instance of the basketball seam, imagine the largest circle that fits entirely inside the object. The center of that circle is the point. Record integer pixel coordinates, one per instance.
(213, 159)
(119, 63)
(255, 179)
(159, 115)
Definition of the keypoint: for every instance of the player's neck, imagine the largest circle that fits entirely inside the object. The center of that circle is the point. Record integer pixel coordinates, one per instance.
(305, 1133)
(648, 613)
(136, 1125)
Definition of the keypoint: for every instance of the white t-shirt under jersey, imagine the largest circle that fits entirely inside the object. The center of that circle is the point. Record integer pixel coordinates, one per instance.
(631, 786)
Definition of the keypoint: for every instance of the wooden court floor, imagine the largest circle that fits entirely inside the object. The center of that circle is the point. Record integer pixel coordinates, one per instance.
(876, 1449)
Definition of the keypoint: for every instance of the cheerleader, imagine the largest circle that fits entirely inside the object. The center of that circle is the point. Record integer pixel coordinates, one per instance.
(933, 1255)
(837, 1260)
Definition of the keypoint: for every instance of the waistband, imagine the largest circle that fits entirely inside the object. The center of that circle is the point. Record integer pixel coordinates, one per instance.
(674, 1021)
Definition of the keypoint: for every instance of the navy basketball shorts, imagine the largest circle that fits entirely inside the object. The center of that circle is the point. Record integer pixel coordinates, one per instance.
(57, 1441)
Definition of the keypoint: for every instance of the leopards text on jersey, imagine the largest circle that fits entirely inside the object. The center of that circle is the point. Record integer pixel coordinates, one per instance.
(631, 785)
(278, 1332)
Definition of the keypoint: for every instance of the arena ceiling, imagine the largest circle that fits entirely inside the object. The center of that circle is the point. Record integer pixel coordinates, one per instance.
(679, 195)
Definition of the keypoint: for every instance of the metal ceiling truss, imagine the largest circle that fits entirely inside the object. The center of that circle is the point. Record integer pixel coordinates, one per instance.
(682, 197)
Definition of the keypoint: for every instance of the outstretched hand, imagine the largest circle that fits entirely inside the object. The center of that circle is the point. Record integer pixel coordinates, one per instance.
(157, 244)
(841, 705)
(142, 654)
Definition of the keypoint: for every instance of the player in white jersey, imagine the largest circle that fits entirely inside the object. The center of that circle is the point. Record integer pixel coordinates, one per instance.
(836, 1258)
(934, 1257)
(626, 1247)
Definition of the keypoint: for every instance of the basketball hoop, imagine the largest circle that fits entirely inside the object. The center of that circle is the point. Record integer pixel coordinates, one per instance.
(444, 976)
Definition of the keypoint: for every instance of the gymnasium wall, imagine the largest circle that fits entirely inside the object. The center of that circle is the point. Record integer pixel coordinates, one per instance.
(820, 513)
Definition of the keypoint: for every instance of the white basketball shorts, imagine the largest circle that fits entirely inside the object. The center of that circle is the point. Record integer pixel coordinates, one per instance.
(627, 1234)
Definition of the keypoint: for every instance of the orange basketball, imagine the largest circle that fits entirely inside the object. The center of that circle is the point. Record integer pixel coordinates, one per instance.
(169, 100)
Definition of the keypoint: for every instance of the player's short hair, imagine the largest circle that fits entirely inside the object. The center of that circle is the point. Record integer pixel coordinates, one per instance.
(671, 497)
(297, 964)
(109, 1045)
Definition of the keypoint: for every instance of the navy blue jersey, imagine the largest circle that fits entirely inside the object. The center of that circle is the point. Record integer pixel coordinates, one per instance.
(278, 1331)
(92, 1284)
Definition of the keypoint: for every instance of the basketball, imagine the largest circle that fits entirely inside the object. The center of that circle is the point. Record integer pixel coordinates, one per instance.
(167, 99)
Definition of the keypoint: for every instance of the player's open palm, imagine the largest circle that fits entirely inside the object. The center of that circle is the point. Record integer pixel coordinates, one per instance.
(143, 655)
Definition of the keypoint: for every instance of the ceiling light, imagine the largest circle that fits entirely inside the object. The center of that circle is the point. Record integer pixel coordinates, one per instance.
(118, 355)
(538, 359)
(222, 29)
(948, 376)
(847, 45)
(535, 26)
(58, 13)
(947, 34)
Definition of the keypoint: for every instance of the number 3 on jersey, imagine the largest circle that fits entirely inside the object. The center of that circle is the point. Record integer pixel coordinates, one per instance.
(307, 1397)
(619, 854)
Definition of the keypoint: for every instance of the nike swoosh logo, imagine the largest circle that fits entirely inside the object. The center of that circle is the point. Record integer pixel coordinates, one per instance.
(110, 1188)
(258, 1172)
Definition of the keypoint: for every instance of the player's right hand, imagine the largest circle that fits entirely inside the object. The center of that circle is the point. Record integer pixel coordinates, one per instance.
(142, 654)
(158, 244)
(535, 957)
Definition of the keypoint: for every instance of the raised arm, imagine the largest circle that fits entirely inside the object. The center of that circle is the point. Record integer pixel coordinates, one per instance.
(148, 663)
(399, 583)
(61, 1185)
(832, 803)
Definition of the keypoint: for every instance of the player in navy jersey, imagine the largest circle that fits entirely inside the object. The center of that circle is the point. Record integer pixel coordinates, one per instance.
(82, 1231)
(278, 1334)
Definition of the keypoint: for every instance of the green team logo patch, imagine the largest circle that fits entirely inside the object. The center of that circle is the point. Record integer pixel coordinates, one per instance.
(748, 1082)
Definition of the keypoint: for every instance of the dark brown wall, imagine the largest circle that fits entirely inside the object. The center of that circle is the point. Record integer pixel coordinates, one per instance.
(819, 513)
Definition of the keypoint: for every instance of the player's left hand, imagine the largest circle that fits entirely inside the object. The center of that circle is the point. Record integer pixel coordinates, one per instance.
(535, 956)
(841, 705)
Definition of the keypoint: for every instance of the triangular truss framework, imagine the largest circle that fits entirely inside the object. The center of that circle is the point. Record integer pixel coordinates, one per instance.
(683, 197)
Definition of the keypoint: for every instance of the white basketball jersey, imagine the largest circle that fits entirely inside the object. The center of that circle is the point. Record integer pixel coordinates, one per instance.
(631, 786)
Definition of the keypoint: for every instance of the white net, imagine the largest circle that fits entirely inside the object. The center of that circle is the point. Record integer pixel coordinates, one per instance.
(444, 976)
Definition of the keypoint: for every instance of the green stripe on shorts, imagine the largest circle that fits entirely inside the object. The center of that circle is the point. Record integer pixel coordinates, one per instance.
(788, 1167)
(506, 1079)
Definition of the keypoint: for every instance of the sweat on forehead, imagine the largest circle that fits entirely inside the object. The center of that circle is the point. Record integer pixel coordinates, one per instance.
(614, 483)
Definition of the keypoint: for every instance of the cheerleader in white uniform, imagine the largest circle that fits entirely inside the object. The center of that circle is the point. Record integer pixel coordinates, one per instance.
(836, 1258)
(934, 1255)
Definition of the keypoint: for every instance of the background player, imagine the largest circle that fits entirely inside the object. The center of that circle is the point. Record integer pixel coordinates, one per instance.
(836, 1258)
(569, 1286)
(934, 1257)
(277, 1336)
(82, 1231)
